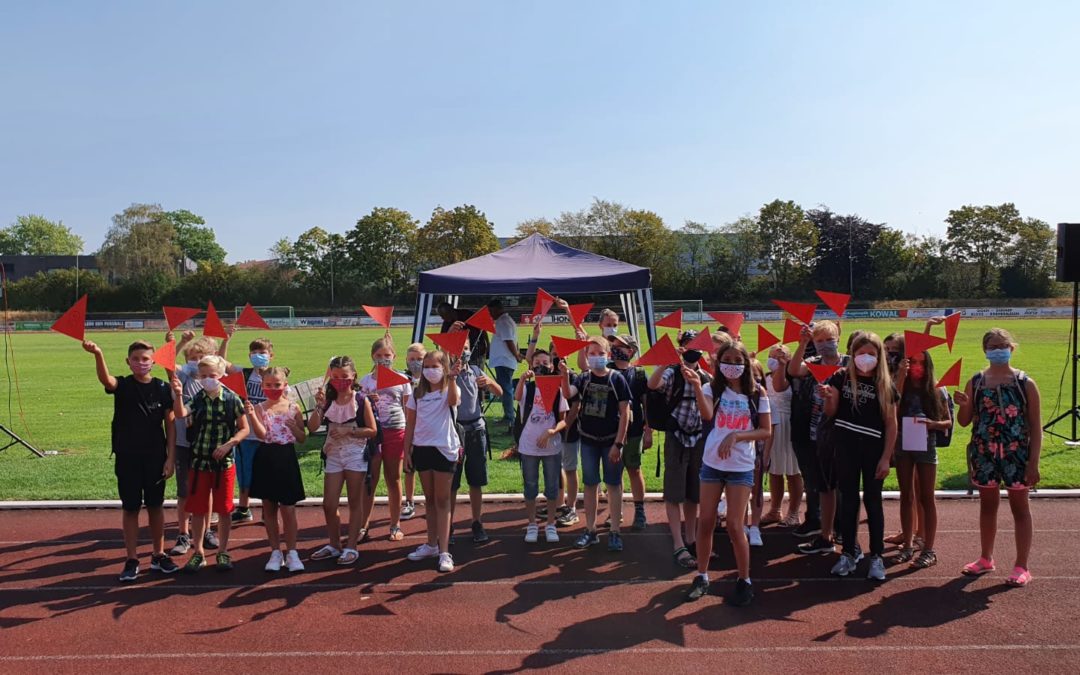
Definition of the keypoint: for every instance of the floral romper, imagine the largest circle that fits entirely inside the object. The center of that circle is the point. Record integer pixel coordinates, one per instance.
(999, 448)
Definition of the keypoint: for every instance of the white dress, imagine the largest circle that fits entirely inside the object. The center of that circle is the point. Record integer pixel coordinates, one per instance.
(782, 460)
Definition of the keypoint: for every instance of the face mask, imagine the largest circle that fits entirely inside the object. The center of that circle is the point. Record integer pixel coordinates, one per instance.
(691, 356)
(608, 331)
(542, 370)
(433, 375)
(773, 365)
(385, 363)
(894, 359)
(466, 355)
(259, 359)
(598, 362)
(916, 371)
(732, 371)
(415, 367)
(826, 347)
(210, 384)
(341, 384)
(141, 368)
(999, 357)
(866, 362)
(619, 354)
(274, 394)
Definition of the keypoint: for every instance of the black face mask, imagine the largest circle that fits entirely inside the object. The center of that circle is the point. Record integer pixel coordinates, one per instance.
(542, 370)
(691, 356)
(893, 359)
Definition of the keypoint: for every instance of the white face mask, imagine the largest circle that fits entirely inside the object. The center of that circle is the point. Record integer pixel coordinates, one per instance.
(732, 371)
(210, 384)
(608, 331)
(433, 375)
(773, 365)
(866, 362)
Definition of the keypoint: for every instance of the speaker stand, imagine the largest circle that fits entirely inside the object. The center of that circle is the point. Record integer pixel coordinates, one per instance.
(1072, 413)
(15, 440)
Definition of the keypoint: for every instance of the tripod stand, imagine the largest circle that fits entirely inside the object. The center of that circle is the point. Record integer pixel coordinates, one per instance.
(1072, 413)
(15, 440)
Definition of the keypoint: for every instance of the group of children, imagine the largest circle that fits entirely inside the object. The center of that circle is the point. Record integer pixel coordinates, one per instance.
(728, 420)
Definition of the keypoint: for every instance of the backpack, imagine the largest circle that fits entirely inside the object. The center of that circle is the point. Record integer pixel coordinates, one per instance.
(199, 411)
(660, 406)
(525, 409)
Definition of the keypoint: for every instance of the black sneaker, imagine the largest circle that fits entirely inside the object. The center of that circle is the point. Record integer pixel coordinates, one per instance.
(541, 512)
(242, 516)
(210, 540)
(698, 588)
(742, 595)
(806, 529)
(164, 564)
(479, 536)
(131, 571)
(816, 545)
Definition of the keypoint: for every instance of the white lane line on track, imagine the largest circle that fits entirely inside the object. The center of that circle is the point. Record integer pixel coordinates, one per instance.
(632, 651)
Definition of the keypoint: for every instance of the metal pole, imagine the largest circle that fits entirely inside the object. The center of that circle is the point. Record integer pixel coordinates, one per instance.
(850, 263)
(1076, 297)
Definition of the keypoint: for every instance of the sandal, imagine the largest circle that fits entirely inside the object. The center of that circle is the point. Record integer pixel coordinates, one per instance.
(897, 538)
(791, 520)
(364, 535)
(348, 556)
(978, 568)
(396, 534)
(683, 558)
(325, 552)
(771, 517)
(905, 555)
(926, 559)
(1019, 578)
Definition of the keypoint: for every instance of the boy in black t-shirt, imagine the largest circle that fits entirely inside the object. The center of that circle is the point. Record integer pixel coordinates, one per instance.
(144, 442)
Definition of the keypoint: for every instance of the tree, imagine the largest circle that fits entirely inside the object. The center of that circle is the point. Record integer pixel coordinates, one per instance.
(379, 252)
(196, 242)
(843, 259)
(646, 241)
(141, 241)
(452, 236)
(890, 259)
(691, 241)
(786, 241)
(981, 236)
(314, 255)
(37, 235)
(527, 228)
(1032, 261)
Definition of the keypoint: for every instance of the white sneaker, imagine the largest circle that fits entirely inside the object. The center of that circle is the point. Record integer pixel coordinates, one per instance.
(721, 508)
(292, 562)
(531, 533)
(424, 551)
(274, 564)
(551, 535)
(754, 534)
(446, 562)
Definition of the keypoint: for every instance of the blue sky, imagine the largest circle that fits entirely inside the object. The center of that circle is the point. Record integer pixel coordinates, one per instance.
(268, 118)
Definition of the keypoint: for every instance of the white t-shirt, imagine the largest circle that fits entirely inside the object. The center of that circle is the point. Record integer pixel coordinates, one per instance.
(500, 355)
(433, 425)
(539, 421)
(388, 408)
(733, 414)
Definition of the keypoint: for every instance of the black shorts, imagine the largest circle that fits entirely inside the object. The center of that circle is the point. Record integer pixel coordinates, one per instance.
(140, 480)
(475, 463)
(428, 458)
(815, 474)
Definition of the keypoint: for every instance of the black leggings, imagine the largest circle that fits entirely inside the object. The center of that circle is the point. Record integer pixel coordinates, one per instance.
(857, 457)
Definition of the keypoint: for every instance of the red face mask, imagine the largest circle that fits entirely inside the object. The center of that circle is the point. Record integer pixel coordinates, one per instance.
(273, 394)
(341, 384)
(917, 371)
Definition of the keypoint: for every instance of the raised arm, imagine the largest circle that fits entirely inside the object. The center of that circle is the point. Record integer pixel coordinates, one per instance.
(106, 380)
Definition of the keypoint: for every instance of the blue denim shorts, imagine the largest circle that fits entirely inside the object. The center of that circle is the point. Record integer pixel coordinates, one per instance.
(711, 475)
(595, 457)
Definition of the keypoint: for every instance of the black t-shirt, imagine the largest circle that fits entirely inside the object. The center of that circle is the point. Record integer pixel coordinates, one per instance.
(139, 411)
(638, 382)
(859, 412)
(600, 398)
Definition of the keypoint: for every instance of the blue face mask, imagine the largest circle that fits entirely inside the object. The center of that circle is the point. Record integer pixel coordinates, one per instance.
(598, 362)
(259, 359)
(999, 357)
(827, 347)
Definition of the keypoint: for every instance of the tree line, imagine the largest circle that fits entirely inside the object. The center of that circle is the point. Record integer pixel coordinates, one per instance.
(989, 251)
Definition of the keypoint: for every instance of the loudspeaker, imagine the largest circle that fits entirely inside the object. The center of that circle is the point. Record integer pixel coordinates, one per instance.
(1068, 252)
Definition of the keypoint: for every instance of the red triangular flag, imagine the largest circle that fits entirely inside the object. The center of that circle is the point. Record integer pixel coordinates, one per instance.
(544, 301)
(213, 326)
(482, 319)
(951, 378)
(166, 356)
(792, 331)
(822, 372)
(250, 318)
(548, 386)
(673, 320)
(952, 323)
(380, 314)
(837, 302)
(702, 343)
(765, 339)
(451, 343)
(174, 316)
(733, 321)
(235, 382)
(564, 347)
(386, 378)
(800, 310)
(663, 353)
(917, 343)
(73, 322)
(579, 312)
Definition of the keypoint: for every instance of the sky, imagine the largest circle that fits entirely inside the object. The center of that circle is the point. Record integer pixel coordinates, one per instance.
(268, 118)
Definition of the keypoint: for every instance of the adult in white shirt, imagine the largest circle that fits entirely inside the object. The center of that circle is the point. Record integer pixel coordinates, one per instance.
(504, 356)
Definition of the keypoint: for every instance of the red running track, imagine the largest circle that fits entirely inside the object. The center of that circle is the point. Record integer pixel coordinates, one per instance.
(513, 607)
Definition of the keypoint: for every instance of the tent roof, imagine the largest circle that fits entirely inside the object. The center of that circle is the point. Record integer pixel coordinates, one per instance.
(535, 262)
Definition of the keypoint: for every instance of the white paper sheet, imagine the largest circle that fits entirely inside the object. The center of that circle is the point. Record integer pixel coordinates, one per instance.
(914, 434)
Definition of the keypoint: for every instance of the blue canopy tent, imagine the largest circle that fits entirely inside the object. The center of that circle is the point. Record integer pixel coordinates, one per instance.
(539, 262)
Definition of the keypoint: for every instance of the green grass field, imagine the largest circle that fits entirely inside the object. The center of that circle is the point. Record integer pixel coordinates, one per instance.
(67, 411)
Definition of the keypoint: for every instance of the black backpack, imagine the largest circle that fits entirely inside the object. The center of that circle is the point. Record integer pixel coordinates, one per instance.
(525, 409)
(659, 406)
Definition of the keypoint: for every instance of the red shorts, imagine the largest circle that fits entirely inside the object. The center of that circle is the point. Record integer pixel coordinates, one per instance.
(393, 444)
(203, 484)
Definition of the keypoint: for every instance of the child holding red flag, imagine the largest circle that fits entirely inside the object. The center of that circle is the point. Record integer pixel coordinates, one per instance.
(144, 445)
(414, 364)
(1006, 440)
(540, 444)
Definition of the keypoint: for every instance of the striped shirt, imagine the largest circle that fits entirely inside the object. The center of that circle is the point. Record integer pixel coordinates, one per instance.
(858, 411)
